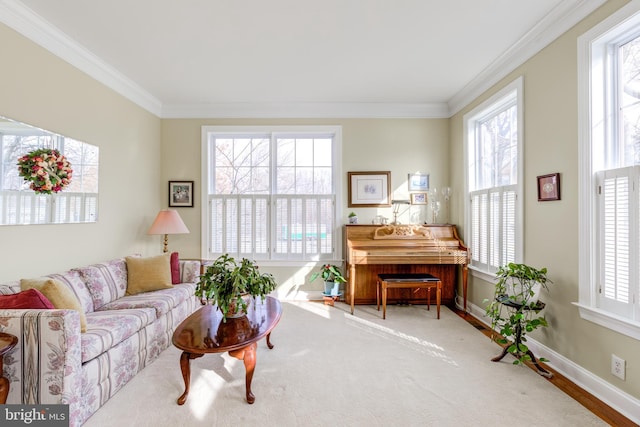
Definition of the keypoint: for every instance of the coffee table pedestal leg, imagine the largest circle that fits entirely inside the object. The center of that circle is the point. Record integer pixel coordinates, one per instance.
(248, 355)
(185, 361)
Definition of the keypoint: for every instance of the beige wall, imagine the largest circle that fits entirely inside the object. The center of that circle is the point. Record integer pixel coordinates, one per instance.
(42, 90)
(551, 228)
(398, 146)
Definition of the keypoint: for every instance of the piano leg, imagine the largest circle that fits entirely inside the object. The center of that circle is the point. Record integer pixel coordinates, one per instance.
(352, 285)
(465, 273)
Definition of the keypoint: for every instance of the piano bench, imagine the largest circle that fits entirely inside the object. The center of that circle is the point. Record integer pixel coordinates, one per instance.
(411, 281)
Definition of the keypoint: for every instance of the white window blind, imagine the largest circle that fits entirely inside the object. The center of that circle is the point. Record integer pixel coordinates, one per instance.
(493, 227)
(618, 224)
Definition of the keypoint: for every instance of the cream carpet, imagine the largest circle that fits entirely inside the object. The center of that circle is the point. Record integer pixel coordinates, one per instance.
(329, 368)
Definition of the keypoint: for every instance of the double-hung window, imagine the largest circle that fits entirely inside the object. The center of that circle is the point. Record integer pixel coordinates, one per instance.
(609, 83)
(271, 192)
(493, 144)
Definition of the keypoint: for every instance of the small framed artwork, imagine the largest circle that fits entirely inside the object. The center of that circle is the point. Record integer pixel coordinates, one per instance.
(418, 198)
(369, 189)
(418, 182)
(549, 187)
(181, 194)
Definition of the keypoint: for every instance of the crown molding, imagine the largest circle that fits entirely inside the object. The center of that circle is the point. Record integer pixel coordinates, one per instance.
(20, 18)
(306, 110)
(23, 20)
(557, 22)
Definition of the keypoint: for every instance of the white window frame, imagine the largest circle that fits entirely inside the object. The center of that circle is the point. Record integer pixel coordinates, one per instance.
(592, 130)
(274, 260)
(495, 103)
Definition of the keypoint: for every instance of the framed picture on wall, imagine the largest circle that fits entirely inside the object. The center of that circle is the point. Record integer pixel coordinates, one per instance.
(418, 198)
(181, 194)
(418, 181)
(369, 189)
(549, 187)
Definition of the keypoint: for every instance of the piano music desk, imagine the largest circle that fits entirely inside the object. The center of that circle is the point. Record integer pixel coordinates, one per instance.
(412, 281)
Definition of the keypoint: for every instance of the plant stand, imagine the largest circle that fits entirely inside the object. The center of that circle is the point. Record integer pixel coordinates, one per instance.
(518, 335)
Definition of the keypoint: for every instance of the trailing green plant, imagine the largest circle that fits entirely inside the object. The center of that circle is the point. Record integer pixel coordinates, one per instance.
(329, 273)
(226, 281)
(514, 309)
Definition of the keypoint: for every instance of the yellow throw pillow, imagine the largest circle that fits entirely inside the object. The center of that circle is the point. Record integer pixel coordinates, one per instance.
(148, 274)
(60, 296)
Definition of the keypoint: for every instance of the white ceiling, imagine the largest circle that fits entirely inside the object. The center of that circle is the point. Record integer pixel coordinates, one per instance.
(293, 58)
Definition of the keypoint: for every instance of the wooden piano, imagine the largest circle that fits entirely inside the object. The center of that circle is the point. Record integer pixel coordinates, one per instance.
(372, 249)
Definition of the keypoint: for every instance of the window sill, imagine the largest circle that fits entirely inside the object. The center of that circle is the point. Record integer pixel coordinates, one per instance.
(600, 317)
(482, 275)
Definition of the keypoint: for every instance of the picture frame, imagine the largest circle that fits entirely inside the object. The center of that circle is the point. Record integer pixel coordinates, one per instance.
(418, 181)
(419, 198)
(369, 189)
(549, 187)
(180, 194)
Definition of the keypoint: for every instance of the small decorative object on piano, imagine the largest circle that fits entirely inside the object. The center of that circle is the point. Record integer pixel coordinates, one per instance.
(353, 218)
(332, 277)
(515, 307)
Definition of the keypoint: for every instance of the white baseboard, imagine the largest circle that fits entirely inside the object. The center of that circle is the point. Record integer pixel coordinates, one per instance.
(622, 402)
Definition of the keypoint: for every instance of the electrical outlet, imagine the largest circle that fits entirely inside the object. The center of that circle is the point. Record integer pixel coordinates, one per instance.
(618, 366)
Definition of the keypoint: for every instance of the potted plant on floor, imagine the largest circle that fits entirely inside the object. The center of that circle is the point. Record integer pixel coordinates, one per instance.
(332, 277)
(226, 281)
(515, 309)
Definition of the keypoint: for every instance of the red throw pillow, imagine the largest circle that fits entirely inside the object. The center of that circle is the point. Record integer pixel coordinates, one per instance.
(29, 299)
(175, 268)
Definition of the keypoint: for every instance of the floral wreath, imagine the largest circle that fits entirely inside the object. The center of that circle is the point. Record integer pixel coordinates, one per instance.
(46, 169)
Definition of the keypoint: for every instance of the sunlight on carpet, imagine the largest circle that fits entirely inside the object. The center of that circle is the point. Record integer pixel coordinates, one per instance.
(331, 368)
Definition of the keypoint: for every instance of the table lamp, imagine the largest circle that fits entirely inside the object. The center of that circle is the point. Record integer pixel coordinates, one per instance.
(168, 222)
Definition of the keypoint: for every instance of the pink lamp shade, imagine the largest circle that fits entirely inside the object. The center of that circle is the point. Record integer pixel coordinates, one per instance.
(168, 222)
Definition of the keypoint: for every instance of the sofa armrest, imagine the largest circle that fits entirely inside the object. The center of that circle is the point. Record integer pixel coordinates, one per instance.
(189, 271)
(45, 366)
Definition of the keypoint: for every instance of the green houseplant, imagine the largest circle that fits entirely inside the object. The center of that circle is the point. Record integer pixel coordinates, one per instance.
(226, 281)
(515, 310)
(332, 277)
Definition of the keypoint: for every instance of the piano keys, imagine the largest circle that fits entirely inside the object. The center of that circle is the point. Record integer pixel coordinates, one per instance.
(373, 249)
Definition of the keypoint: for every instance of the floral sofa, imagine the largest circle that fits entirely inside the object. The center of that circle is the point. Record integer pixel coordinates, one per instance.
(55, 363)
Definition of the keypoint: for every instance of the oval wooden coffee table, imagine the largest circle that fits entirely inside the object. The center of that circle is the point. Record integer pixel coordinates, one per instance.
(204, 332)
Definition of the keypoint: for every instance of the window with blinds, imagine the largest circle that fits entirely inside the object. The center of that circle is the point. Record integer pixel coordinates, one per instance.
(493, 146)
(272, 195)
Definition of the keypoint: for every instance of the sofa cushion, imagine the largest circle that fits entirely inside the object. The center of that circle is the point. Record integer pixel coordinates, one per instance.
(59, 294)
(106, 281)
(29, 299)
(73, 281)
(148, 274)
(162, 300)
(106, 329)
(175, 268)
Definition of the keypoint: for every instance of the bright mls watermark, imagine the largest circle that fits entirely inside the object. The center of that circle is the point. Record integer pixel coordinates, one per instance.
(34, 415)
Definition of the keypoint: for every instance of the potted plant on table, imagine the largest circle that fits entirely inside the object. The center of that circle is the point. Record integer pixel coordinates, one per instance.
(332, 277)
(226, 281)
(515, 309)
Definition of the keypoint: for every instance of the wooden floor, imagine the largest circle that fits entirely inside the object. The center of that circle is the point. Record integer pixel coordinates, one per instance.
(595, 405)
